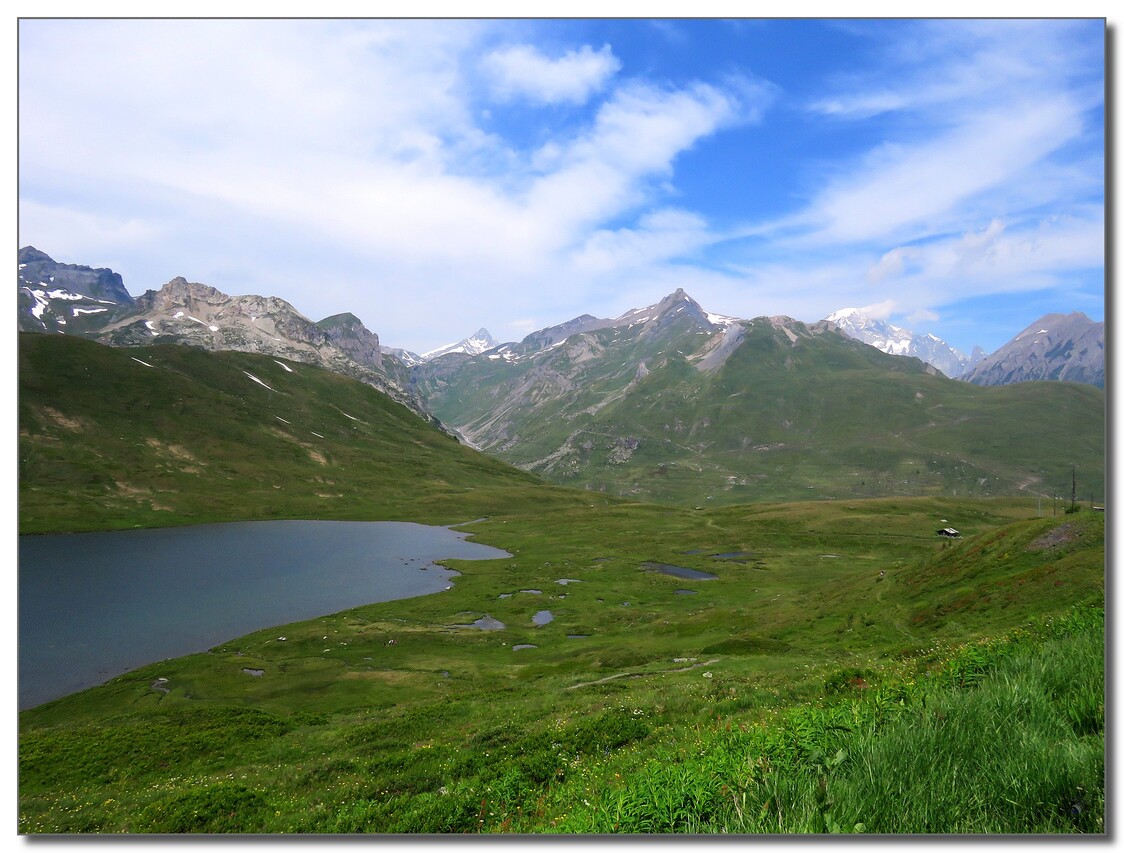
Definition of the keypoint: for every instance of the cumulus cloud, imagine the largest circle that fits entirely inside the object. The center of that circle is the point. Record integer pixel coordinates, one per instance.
(522, 71)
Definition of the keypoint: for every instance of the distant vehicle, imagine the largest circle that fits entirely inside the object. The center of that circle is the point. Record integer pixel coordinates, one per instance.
(950, 532)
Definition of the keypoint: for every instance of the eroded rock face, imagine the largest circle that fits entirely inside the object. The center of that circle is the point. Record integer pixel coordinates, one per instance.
(348, 334)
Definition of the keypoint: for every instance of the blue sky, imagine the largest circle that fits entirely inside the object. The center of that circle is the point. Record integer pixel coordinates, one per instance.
(437, 176)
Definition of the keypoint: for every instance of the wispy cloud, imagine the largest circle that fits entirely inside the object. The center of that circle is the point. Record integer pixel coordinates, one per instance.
(523, 71)
(987, 136)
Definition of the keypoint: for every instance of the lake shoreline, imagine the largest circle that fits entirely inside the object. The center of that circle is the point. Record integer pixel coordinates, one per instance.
(90, 602)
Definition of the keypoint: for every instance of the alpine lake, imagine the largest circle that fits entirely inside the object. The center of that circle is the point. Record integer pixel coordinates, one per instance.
(95, 605)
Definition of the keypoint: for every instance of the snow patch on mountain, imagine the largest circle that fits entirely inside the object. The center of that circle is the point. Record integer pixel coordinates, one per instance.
(479, 343)
(858, 323)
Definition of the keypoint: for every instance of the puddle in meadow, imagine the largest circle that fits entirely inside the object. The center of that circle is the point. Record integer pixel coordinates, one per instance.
(679, 571)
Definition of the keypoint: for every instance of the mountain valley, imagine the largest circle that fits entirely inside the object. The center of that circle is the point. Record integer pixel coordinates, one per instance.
(790, 632)
(671, 402)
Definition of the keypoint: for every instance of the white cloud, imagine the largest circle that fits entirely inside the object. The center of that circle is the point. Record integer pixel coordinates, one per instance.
(659, 236)
(635, 137)
(937, 66)
(880, 310)
(890, 265)
(922, 316)
(986, 177)
(87, 234)
(522, 71)
(910, 190)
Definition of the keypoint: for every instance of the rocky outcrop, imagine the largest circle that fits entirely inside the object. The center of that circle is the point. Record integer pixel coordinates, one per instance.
(196, 314)
(348, 334)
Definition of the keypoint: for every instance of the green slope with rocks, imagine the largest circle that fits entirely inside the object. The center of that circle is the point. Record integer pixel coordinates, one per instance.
(673, 407)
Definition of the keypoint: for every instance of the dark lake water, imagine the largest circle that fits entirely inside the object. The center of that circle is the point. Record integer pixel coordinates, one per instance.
(679, 572)
(95, 605)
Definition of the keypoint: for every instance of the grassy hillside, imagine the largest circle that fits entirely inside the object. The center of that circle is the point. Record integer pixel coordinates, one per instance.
(165, 435)
(791, 414)
(843, 670)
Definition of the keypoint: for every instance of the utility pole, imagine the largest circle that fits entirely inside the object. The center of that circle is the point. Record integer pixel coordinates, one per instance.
(1073, 498)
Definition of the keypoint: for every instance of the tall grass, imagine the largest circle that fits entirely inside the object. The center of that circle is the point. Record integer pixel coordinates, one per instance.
(1022, 752)
(1003, 737)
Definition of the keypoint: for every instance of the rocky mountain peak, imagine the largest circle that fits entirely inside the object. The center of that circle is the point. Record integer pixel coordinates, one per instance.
(180, 291)
(344, 320)
(31, 255)
(474, 345)
(347, 332)
(54, 297)
(1068, 347)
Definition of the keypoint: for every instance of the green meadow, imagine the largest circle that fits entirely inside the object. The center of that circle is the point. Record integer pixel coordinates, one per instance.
(846, 670)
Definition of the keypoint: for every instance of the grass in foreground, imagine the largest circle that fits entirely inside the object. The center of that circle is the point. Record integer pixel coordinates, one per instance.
(787, 696)
(997, 737)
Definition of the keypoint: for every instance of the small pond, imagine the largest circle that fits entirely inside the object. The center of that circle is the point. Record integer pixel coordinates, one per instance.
(486, 623)
(543, 617)
(679, 572)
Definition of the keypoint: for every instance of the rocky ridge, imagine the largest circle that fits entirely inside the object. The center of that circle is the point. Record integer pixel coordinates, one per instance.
(73, 299)
(1067, 347)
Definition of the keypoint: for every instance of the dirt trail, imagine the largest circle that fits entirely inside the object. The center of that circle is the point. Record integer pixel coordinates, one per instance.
(641, 674)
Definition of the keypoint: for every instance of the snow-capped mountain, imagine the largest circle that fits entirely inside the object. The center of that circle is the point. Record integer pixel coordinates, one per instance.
(855, 323)
(1069, 347)
(66, 298)
(407, 357)
(482, 341)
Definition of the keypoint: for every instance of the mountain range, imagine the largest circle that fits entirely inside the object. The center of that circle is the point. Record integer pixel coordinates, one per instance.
(92, 303)
(670, 401)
